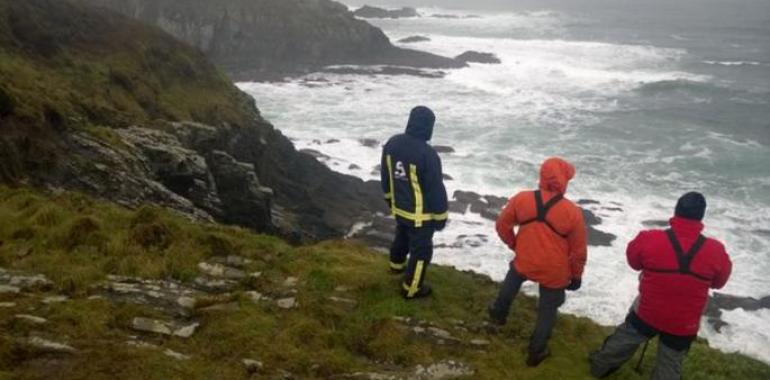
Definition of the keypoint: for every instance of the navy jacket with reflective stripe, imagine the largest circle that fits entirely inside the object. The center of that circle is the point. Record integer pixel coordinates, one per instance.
(412, 178)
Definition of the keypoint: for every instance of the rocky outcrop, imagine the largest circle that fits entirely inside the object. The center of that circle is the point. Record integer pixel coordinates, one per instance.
(413, 39)
(368, 11)
(719, 302)
(379, 231)
(478, 57)
(271, 39)
(162, 127)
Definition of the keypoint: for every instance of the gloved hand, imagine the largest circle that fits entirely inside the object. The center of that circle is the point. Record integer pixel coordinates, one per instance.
(575, 284)
(439, 224)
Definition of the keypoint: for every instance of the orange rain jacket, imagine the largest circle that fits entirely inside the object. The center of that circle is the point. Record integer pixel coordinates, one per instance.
(542, 255)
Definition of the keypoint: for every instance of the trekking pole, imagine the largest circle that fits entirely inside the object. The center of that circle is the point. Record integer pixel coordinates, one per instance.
(638, 367)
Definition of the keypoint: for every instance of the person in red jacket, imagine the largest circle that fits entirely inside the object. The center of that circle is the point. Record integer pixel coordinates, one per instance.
(550, 249)
(678, 267)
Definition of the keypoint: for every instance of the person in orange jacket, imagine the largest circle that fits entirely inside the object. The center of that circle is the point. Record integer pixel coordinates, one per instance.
(550, 249)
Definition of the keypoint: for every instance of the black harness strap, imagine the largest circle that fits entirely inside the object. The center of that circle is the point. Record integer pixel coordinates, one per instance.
(543, 209)
(684, 259)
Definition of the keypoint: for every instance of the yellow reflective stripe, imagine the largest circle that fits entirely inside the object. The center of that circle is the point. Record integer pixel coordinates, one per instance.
(442, 216)
(423, 218)
(392, 185)
(418, 207)
(397, 266)
(415, 279)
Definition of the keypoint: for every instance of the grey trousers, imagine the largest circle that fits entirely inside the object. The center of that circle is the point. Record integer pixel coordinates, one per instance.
(547, 308)
(621, 346)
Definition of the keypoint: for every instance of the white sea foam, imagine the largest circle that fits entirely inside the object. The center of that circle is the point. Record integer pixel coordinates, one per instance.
(742, 334)
(733, 63)
(483, 24)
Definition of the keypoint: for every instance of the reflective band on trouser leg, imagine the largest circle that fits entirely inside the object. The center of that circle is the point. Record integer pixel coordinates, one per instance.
(397, 266)
(392, 195)
(418, 207)
(416, 277)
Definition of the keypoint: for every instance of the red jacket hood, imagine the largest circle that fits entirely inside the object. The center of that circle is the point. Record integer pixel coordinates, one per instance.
(555, 174)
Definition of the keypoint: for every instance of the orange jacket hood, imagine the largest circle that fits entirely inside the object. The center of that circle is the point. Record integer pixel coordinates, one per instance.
(555, 174)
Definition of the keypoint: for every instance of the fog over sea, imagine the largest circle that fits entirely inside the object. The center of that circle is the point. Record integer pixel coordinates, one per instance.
(647, 99)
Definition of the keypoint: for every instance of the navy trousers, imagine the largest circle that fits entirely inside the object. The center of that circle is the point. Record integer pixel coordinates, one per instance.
(412, 250)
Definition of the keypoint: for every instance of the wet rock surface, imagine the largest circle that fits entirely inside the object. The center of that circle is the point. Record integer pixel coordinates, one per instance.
(385, 70)
(442, 370)
(168, 296)
(221, 271)
(443, 149)
(374, 12)
(719, 302)
(50, 346)
(379, 232)
(655, 223)
(18, 281)
(413, 39)
(478, 57)
(173, 328)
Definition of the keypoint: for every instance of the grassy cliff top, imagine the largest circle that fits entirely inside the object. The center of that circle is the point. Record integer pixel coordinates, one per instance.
(65, 65)
(348, 316)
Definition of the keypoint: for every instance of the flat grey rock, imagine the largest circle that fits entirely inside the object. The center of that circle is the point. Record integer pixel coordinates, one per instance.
(164, 327)
(50, 346)
(287, 303)
(31, 319)
(221, 271)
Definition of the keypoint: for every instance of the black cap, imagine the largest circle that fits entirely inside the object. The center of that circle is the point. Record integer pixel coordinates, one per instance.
(691, 206)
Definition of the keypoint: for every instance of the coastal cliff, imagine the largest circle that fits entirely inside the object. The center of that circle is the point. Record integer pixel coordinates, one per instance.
(270, 39)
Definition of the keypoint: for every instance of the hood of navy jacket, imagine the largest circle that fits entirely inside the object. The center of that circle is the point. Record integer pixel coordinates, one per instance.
(421, 121)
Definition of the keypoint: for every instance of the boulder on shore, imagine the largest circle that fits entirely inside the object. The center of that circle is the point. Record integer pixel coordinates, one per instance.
(374, 12)
(478, 57)
(413, 39)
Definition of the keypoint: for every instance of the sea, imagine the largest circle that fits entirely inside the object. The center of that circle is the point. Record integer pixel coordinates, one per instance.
(648, 100)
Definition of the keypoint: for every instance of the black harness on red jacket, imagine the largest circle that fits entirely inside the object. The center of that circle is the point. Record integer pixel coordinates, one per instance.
(542, 211)
(684, 259)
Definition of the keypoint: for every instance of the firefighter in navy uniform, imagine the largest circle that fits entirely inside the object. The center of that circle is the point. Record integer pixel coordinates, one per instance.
(414, 189)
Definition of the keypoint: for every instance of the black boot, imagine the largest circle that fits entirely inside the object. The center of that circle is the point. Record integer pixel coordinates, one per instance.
(424, 291)
(495, 317)
(534, 359)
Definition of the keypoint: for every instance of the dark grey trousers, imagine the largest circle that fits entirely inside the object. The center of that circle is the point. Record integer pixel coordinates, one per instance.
(621, 346)
(547, 308)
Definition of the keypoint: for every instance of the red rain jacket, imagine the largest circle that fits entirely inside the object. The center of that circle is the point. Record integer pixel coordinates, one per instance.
(669, 301)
